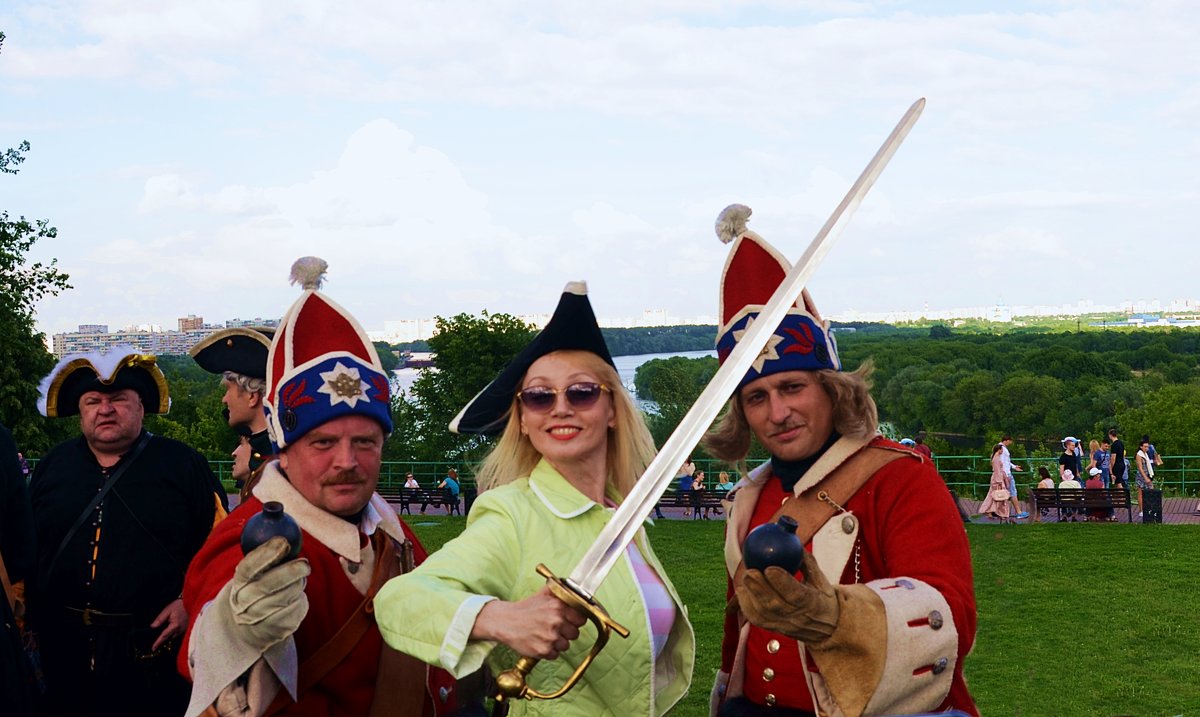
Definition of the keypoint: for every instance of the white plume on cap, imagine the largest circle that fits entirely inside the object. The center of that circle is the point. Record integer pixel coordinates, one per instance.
(309, 272)
(731, 222)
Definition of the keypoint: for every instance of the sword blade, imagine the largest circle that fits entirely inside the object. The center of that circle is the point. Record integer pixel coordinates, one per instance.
(600, 558)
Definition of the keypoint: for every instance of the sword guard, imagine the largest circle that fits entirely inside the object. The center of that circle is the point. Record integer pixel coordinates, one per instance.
(511, 684)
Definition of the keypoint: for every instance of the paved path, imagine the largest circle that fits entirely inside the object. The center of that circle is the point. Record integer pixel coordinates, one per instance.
(1176, 511)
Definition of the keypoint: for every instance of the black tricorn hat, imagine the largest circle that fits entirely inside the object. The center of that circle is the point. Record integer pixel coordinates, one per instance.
(241, 350)
(121, 367)
(573, 327)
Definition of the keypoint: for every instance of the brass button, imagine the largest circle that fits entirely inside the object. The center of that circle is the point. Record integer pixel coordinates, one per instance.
(770, 699)
(848, 524)
(773, 646)
(768, 675)
(935, 620)
(939, 665)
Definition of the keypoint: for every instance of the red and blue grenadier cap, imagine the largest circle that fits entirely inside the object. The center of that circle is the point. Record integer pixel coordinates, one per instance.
(321, 365)
(753, 271)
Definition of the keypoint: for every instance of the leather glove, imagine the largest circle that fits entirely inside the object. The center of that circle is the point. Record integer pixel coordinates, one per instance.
(776, 601)
(267, 596)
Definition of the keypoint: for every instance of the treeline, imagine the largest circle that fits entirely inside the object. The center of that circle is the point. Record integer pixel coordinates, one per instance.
(628, 342)
(971, 388)
(659, 339)
(1038, 387)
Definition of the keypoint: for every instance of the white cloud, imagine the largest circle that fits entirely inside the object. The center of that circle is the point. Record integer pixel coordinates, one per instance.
(447, 156)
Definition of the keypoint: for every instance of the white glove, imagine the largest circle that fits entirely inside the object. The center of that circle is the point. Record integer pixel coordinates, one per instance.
(266, 596)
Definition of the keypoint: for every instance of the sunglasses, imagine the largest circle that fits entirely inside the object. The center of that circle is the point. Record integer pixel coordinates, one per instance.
(579, 395)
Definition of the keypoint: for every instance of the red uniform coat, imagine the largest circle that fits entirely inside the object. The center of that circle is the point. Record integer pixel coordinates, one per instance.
(909, 528)
(348, 688)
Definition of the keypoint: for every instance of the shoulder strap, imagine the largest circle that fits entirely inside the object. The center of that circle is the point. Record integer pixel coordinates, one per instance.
(811, 511)
(338, 647)
(108, 484)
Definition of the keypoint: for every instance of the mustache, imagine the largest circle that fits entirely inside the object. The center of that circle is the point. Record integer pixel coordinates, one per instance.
(785, 426)
(345, 478)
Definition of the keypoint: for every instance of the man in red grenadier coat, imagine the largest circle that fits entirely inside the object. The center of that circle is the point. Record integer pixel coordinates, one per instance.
(882, 612)
(270, 634)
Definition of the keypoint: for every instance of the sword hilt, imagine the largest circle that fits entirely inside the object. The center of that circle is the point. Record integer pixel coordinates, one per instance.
(511, 684)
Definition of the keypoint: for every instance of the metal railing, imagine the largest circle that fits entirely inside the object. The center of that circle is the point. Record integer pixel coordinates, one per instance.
(1178, 476)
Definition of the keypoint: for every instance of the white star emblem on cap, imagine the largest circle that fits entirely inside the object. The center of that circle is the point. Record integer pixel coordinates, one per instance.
(344, 385)
(768, 353)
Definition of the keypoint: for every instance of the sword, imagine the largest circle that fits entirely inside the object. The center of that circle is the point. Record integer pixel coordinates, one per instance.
(579, 589)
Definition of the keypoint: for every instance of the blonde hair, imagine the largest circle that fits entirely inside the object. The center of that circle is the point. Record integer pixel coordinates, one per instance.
(630, 446)
(854, 413)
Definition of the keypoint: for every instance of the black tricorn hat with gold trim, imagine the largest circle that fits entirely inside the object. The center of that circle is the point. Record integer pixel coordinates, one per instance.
(241, 350)
(573, 327)
(119, 368)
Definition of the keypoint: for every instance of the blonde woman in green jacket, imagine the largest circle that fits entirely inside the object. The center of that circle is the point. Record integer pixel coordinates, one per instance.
(571, 447)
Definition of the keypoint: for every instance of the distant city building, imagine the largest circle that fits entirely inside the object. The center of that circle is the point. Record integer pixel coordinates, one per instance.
(249, 323)
(96, 337)
(1002, 313)
(191, 322)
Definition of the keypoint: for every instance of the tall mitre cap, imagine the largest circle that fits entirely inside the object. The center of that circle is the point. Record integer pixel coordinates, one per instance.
(753, 271)
(573, 327)
(118, 368)
(321, 365)
(241, 350)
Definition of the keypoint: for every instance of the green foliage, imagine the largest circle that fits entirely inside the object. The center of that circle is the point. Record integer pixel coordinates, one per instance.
(387, 358)
(409, 346)
(1168, 415)
(24, 359)
(196, 416)
(471, 351)
(673, 384)
(1034, 385)
(659, 339)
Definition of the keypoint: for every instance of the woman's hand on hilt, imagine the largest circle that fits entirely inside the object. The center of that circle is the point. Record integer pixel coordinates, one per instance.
(540, 626)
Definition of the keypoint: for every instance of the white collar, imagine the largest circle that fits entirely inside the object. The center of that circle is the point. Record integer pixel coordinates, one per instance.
(330, 530)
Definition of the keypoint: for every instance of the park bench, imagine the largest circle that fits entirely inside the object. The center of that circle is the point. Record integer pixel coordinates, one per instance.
(407, 497)
(709, 499)
(1078, 501)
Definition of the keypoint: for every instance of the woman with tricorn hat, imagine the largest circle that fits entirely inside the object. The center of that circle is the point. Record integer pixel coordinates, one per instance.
(571, 446)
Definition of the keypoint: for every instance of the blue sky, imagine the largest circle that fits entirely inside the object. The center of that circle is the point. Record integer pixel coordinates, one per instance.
(459, 155)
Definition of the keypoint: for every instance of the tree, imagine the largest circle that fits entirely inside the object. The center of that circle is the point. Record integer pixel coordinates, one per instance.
(24, 359)
(196, 417)
(470, 352)
(387, 356)
(673, 384)
(1169, 415)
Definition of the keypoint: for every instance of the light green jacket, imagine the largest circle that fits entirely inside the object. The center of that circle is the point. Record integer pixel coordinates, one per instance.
(429, 612)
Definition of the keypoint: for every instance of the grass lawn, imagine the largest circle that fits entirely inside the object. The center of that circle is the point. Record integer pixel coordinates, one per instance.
(1074, 620)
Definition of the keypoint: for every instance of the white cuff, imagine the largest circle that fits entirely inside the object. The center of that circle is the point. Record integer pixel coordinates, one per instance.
(922, 648)
(459, 654)
(217, 656)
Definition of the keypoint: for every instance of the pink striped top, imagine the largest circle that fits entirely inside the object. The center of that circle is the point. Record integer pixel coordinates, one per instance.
(659, 605)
